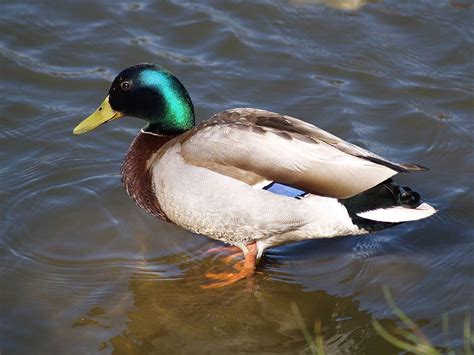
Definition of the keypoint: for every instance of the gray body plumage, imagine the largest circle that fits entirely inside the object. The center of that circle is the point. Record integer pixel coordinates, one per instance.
(209, 180)
(223, 208)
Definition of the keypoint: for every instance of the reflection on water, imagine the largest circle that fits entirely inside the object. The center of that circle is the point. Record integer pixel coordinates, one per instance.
(337, 4)
(83, 270)
(166, 316)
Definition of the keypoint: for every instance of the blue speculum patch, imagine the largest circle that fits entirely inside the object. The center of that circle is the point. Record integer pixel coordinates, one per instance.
(284, 190)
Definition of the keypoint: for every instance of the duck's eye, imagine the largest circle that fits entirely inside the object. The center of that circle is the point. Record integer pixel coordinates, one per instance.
(125, 85)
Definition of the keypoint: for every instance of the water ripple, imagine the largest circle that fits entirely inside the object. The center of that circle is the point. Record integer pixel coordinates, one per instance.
(87, 270)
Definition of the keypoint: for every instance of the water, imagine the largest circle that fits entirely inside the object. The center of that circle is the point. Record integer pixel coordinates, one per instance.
(83, 270)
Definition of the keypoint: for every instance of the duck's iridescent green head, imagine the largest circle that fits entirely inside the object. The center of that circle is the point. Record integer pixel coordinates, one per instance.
(148, 92)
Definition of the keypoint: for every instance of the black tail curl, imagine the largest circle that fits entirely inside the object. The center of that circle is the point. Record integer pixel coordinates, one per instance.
(404, 196)
(385, 195)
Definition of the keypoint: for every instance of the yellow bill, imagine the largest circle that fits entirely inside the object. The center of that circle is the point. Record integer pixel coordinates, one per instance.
(103, 114)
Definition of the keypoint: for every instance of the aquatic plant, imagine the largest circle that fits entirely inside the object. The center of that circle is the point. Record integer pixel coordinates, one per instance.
(413, 339)
(315, 345)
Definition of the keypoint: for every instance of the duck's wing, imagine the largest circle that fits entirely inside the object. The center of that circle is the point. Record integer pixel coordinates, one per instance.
(258, 146)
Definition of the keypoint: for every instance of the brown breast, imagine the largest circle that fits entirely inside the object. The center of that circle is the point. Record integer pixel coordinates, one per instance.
(136, 173)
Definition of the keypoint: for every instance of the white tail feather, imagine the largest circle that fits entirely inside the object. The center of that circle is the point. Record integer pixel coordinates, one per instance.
(399, 213)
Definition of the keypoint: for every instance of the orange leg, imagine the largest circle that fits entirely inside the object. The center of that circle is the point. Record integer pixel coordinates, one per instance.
(245, 268)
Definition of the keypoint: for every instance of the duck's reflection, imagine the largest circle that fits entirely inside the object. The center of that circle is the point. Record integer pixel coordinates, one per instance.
(172, 314)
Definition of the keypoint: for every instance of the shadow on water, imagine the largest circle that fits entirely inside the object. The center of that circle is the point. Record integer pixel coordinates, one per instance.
(166, 315)
(168, 311)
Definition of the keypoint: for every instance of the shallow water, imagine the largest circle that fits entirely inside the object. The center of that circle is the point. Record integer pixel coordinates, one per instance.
(84, 270)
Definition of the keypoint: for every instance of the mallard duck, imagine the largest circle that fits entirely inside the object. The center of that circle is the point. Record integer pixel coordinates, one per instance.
(251, 178)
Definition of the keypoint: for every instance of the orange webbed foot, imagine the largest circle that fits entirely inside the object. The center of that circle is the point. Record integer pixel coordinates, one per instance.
(233, 253)
(245, 269)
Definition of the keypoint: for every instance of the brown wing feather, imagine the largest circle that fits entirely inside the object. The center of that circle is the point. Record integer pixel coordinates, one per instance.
(285, 149)
(304, 131)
